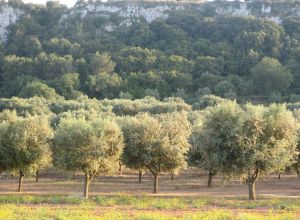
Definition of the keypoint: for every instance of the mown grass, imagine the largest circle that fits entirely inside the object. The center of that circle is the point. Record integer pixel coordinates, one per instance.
(148, 202)
(87, 212)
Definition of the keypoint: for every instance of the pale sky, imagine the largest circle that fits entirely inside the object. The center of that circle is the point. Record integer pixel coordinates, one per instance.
(65, 2)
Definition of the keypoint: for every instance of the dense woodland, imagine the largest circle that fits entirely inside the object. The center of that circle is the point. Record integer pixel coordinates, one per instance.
(190, 54)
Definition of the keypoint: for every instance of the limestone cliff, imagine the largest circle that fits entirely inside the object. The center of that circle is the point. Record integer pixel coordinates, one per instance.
(128, 11)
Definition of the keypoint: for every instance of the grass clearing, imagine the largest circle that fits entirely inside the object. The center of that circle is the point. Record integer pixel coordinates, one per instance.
(159, 203)
(11, 211)
(123, 198)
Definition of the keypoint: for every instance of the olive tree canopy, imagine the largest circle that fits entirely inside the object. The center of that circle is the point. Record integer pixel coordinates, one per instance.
(216, 133)
(24, 143)
(88, 146)
(268, 142)
(157, 143)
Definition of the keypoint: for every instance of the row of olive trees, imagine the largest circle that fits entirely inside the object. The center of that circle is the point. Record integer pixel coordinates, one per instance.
(228, 138)
(92, 142)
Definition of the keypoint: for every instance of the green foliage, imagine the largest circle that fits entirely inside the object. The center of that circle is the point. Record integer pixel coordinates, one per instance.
(215, 136)
(182, 54)
(24, 107)
(270, 76)
(86, 145)
(158, 144)
(248, 141)
(39, 89)
(269, 135)
(24, 144)
(68, 86)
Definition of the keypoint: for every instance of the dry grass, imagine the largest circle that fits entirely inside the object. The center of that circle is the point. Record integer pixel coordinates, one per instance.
(122, 197)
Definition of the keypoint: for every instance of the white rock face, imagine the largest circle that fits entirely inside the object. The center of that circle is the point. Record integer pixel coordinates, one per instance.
(266, 9)
(241, 11)
(150, 14)
(129, 11)
(8, 15)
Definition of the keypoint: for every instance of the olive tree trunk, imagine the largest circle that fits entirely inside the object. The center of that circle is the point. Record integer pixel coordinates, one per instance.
(120, 169)
(210, 178)
(252, 194)
(140, 176)
(155, 172)
(155, 186)
(251, 184)
(88, 176)
(86, 185)
(37, 176)
(21, 177)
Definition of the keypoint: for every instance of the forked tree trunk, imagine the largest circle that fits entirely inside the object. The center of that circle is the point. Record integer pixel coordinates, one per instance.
(37, 176)
(251, 184)
(21, 176)
(252, 194)
(155, 187)
(86, 185)
(140, 176)
(210, 177)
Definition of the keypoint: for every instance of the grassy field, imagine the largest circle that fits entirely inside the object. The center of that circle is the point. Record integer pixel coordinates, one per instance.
(121, 197)
(132, 207)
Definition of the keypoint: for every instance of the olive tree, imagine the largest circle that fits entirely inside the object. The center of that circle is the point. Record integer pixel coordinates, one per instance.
(268, 143)
(215, 133)
(23, 143)
(132, 156)
(43, 163)
(296, 165)
(88, 146)
(159, 143)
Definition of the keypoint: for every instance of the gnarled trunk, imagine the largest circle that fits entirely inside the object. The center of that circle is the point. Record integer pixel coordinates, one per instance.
(252, 194)
(251, 184)
(21, 176)
(210, 177)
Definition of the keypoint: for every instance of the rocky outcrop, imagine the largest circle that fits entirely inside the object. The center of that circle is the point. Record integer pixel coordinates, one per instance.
(128, 11)
(8, 15)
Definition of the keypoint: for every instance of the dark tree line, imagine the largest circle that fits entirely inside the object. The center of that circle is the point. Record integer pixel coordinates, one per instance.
(190, 54)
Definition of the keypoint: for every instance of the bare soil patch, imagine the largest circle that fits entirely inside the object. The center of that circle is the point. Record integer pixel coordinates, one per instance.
(187, 184)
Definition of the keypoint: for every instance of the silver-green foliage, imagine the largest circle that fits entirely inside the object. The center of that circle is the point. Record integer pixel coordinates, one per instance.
(247, 141)
(24, 143)
(88, 146)
(158, 143)
(216, 133)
